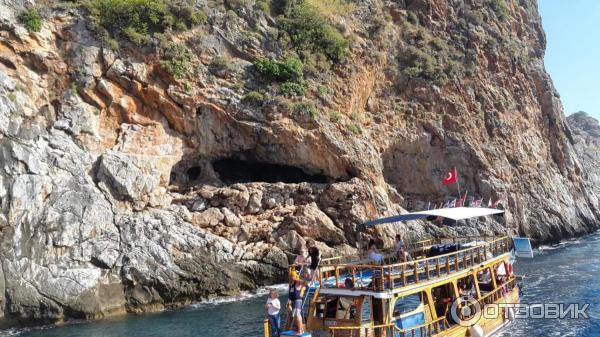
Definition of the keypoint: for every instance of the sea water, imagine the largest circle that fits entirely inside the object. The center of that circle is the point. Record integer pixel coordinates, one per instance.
(568, 272)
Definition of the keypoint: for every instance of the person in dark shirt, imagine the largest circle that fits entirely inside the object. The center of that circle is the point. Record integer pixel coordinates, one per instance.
(315, 259)
(295, 294)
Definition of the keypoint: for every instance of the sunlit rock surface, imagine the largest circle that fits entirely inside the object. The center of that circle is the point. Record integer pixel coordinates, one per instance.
(125, 190)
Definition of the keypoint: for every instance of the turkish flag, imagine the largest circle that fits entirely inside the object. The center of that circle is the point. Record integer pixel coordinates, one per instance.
(450, 177)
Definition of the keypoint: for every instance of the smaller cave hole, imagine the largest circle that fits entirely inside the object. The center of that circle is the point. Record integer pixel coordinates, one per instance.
(232, 171)
(193, 173)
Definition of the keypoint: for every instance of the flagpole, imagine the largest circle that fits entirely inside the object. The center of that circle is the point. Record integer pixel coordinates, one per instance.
(458, 183)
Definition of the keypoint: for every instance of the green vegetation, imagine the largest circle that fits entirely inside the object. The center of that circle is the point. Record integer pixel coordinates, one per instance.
(220, 66)
(253, 97)
(138, 20)
(322, 90)
(335, 117)
(290, 69)
(177, 60)
(292, 89)
(428, 57)
(73, 88)
(12, 97)
(264, 6)
(500, 8)
(332, 7)
(311, 33)
(354, 128)
(355, 116)
(32, 20)
(306, 108)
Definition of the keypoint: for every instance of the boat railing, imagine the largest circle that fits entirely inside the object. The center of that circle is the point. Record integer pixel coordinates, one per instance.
(398, 275)
(367, 330)
(498, 292)
(414, 248)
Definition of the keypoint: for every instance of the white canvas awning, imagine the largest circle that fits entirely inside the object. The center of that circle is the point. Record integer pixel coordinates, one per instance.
(457, 213)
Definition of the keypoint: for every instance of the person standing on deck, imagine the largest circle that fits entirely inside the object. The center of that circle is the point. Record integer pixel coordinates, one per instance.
(301, 260)
(401, 254)
(295, 293)
(273, 306)
(315, 259)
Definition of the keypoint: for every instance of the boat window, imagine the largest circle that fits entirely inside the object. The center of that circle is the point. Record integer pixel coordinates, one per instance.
(442, 298)
(342, 307)
(501, 273)
(407, 304)
(484, 280)
(466, 286)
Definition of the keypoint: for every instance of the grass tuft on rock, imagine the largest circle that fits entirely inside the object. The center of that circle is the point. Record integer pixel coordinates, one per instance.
(177, 60)
(32, 20)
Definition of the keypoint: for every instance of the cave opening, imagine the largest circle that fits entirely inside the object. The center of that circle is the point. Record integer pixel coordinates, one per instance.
(193, 173)
(232, 171)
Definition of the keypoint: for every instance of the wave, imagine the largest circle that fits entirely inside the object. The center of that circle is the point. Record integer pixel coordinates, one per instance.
(11, 332)
(242, 296)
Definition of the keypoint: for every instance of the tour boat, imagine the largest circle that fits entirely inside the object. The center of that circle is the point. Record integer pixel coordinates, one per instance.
(452, 287)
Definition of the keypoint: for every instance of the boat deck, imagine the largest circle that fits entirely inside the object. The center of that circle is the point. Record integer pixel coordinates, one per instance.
(396, 276)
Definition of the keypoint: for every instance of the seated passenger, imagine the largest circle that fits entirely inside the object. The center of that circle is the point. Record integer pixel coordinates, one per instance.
(484, 279)
(374, 254)
(348, 283)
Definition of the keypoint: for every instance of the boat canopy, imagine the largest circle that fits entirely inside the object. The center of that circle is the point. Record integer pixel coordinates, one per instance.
(456, 213)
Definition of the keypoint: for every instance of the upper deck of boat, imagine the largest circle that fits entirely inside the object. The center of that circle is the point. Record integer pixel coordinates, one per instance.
(356, 273)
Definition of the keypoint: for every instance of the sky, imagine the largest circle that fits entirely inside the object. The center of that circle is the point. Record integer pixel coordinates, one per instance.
(573, 52)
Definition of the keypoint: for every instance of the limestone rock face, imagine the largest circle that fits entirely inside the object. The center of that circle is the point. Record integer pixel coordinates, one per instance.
(123, 189)
(586, 134)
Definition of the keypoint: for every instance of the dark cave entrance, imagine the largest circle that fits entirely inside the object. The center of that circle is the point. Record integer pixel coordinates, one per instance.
(193, 173)
(231, 171)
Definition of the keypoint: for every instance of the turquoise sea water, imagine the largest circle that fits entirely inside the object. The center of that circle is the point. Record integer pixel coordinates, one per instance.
(568, 272)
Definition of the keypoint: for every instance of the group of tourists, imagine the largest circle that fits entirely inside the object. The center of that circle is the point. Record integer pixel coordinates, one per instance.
(303, 275)
(400, 252)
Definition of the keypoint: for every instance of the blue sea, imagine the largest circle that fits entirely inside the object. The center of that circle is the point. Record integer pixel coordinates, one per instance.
(568, 272)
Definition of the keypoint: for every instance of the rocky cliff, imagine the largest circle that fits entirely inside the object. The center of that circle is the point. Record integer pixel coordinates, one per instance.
(153, 161)
(586, 135)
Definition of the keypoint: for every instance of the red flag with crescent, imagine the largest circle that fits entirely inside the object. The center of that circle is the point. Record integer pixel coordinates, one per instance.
(450, 177)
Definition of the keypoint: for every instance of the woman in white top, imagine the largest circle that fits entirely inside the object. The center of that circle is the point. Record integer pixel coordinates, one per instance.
(273, 306)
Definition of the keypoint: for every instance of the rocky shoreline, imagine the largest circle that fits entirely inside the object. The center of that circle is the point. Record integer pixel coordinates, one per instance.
(127, 189)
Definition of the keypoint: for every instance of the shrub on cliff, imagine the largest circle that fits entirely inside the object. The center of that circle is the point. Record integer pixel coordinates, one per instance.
(428, 57)
(32, 20)
(177, 60)
(254, 97)
(289, 69)
(138, 20)
(291, 89)
(309, 31)
(500, 8)
(306, 108)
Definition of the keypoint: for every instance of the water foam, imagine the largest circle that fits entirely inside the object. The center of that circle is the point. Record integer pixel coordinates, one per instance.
(242, 296)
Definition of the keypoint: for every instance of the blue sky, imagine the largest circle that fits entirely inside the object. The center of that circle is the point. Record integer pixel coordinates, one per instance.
(573, 52)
